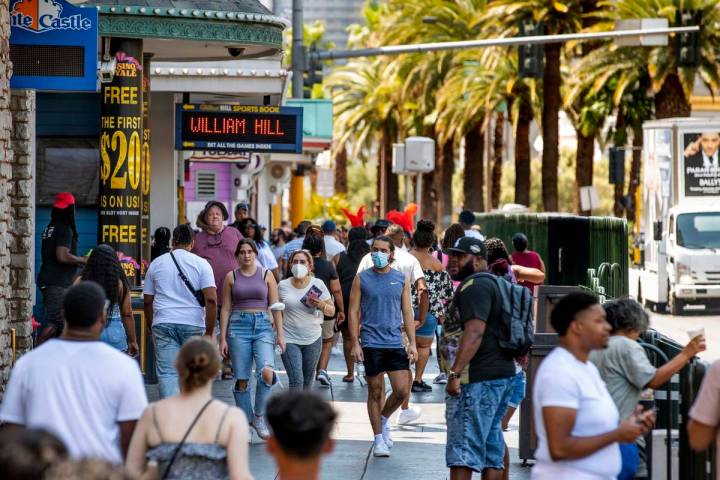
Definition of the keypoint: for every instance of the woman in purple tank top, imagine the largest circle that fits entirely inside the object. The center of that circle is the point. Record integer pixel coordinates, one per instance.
(246, 332)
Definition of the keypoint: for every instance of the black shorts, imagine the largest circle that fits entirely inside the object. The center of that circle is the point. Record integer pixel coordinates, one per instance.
(380, 360)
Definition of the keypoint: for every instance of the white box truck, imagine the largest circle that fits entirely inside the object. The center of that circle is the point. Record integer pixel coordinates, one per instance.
(678, 233)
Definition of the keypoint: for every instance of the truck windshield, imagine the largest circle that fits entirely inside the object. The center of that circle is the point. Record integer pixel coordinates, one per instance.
(698, 230)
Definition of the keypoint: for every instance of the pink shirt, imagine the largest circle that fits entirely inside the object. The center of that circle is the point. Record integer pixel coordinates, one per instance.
(528, 259)
(706, 408)
(219, 251)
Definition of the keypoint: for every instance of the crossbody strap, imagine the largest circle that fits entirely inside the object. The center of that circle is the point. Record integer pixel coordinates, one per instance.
(182, 275)
(182, 442)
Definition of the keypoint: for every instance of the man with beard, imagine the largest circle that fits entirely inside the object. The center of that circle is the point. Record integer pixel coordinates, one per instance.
(479, 371)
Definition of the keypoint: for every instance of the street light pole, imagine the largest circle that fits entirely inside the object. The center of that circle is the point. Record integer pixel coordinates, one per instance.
(297, 193)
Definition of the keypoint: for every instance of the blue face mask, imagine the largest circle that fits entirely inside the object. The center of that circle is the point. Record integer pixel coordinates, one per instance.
(380, 259)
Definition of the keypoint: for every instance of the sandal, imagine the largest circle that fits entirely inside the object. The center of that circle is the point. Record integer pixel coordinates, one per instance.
(349, 378)
(227, 374)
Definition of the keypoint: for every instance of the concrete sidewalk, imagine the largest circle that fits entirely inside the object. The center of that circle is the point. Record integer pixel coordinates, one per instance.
(419, 451)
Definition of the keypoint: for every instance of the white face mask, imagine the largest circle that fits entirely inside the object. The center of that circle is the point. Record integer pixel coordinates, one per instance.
(299, 271)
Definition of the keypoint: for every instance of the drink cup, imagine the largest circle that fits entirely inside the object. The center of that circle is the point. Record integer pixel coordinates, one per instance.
(694, 333)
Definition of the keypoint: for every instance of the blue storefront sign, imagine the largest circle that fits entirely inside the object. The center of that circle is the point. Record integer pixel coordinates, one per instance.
(238, 128)
(53, 45)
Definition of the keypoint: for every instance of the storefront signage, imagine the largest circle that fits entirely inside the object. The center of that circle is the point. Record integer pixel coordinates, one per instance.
(121, 146)
(238, 128)
(701, 165)
(53, 45)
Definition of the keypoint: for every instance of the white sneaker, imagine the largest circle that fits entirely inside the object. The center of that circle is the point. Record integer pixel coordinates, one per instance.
(381, 450)
(386, 436)
(261, 428)
(409, 415)
(323, 378)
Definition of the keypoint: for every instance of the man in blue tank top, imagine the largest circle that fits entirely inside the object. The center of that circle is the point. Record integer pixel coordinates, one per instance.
(380, 296)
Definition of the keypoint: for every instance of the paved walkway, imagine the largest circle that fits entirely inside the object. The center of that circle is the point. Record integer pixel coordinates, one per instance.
(419, 451)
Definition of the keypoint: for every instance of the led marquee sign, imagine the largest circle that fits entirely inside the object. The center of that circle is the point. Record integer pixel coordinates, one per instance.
(238, 128)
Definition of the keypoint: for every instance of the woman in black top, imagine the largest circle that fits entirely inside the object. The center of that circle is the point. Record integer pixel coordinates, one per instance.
(59, 262)
(325, 271)
(347, 267)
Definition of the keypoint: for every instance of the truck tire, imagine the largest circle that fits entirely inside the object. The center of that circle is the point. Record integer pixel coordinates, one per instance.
(675, 305)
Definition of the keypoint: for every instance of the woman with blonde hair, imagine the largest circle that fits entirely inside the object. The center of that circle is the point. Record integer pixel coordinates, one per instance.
(188, 436)
(306, 300)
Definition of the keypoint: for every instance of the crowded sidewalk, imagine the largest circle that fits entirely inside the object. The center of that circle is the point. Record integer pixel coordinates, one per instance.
(419, 450)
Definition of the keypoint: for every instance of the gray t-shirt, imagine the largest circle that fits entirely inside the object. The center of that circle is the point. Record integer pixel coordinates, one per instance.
(626, 370)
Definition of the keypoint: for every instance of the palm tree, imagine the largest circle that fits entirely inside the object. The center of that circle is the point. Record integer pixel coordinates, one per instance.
(671, 83)
(556, 17)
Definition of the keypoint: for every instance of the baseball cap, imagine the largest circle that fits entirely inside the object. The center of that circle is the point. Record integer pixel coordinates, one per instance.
(381, 224)
(242, 206)
(470, 245)
(63, 200)
(329, 226)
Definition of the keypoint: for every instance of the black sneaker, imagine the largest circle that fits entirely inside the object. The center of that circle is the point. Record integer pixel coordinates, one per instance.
(421, 387)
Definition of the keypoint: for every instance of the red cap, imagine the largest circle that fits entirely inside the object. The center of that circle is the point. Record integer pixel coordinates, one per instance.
(63, 200)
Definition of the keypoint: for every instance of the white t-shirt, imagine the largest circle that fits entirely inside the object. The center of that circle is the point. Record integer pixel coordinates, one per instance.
(266, 257)
(564, 381)
(404, 262)
(475, 234)
(174, 303)
(302, 325)
(79, 391)
(333, 247)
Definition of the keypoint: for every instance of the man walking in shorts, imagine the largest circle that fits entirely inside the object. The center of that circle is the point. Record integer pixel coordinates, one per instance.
(480, 370)
(380, 296)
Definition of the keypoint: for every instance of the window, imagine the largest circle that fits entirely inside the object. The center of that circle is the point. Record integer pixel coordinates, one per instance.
(67, 165)
(205, 184)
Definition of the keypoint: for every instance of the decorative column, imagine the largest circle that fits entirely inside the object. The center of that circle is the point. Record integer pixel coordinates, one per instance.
(121, 146)
(145, 221)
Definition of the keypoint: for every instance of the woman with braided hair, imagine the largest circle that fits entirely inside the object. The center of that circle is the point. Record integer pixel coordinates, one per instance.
(103, 267)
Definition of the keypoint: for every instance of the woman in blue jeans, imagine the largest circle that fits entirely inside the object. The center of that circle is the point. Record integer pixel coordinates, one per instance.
(306, 300)
(103, 267)
(246, 332)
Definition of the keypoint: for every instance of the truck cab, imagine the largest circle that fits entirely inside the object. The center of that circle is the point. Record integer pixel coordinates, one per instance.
(693, 257)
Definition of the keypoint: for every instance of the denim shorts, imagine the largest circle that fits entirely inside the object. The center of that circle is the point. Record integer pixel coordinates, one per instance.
(474, 430)
(428, 328)
(114, 334)
(518, 389)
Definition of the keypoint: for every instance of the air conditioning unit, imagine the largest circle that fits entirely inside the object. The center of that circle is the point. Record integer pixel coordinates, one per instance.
(278, 177)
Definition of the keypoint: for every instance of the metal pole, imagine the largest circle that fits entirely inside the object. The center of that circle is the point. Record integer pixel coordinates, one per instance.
(298, 52)
(407, 190)
(418, 195)
(493, 42)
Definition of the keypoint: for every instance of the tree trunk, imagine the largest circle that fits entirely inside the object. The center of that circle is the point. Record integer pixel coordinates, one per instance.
(393, 182)
(550, 127)
(388, 195)
(428, 202)
(620, 139)
(670, 101)
(474, 179)
(583, 167)
(443, 183)
(522, 151)
(341, 157)
(634, 182)
(497, 160)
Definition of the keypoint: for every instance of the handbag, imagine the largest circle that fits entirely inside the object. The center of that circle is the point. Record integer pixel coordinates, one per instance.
(198, 294)
(182, 442)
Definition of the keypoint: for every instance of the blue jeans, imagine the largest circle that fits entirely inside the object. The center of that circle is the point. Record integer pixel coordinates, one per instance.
(168, 339)
(300, 362)
(474, 430)
(518, 390)
(428, 328)
(114, 334)
(251, 337)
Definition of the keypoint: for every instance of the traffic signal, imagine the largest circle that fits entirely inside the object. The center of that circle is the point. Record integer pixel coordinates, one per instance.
(687, 51)
(531, 56)
(313, 72)
(617, 166)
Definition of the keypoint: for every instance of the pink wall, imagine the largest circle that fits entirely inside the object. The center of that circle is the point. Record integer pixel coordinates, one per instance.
(223, 185)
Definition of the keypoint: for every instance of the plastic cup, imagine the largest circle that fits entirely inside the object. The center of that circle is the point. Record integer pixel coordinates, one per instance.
(694, 333)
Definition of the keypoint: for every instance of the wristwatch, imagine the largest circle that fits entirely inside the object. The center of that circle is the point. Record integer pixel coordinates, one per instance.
(453, 376)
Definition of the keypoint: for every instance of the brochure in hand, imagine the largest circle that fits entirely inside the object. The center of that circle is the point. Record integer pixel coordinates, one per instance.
(313, 293)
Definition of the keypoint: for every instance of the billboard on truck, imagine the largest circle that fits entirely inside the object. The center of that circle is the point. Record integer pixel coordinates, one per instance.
(701, 165)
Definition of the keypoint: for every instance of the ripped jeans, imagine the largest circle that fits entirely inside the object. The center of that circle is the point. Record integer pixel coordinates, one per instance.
(251, 338)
